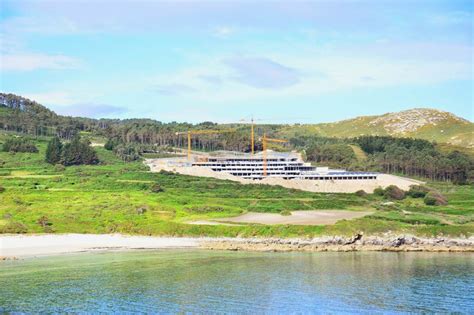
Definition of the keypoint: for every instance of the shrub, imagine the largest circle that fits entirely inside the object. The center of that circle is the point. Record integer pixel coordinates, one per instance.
(393, 192)
(19, 145)
(44, 221)
(110, 144)
(156, 188)
(418, 191)
(204, 209)
(361, 193)
(163, 172)
(379, 191)
(2, 189)
(78, 152)
(285, 212)
(53, 151)
(434, 198)
(127, 152)
(14, 228)
(59, 168)
(142, 210)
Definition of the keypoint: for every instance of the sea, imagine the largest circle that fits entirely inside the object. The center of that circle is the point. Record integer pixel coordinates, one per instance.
(227, 282)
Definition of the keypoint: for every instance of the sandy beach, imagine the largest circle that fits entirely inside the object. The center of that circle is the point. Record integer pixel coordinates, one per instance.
(23, 246)
(49, 244)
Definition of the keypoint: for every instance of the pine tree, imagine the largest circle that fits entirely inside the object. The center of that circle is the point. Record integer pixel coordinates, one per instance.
(53, 151)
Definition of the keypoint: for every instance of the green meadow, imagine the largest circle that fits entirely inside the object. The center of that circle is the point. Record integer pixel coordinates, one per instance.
(115, 196)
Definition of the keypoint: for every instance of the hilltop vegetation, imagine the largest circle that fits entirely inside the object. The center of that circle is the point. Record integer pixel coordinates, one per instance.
(428, 124)
(117, 196)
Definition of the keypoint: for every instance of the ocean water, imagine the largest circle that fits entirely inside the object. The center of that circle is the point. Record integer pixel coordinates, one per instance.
(199, 281)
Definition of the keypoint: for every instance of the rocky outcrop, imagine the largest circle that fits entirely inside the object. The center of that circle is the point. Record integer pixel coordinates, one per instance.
(401, 243)
(411, 120)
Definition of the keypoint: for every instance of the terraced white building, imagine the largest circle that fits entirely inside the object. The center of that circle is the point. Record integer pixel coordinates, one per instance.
(279, 165)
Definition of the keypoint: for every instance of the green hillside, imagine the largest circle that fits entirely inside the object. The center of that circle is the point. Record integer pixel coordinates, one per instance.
(115, 196)
(428, 124)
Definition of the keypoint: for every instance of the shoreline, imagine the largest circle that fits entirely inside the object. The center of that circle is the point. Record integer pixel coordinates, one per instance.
(24, 246)
(397, 243)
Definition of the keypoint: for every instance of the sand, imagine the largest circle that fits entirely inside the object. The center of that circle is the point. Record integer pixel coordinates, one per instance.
(29, 246)
(326, 186)
(307, 217)
(49, 244)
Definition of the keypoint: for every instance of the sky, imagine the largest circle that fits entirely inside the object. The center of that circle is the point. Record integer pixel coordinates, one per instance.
(223, 61)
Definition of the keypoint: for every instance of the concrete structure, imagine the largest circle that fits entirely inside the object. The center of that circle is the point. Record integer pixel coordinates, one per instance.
(279, 165)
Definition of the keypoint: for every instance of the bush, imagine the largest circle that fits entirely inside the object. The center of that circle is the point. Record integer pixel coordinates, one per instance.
(127, 152)
(19, 145)
(2, 189)
(393, 192)
(418, 191)
(110, 144)
(379, 191)
(78, 152)
(142, 210)
(204, 209)
(434, 198)
(285, 212)
(156, 188)
(14, 228)
(53, 151)
(44, 221)
(361, 193)
(59, 168)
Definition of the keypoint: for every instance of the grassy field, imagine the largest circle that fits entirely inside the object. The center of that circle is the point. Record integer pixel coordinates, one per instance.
(117, 197)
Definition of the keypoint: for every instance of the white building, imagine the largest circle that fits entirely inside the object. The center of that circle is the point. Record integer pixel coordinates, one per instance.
(280, 165)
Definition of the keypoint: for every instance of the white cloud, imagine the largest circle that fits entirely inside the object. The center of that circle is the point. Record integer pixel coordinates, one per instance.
(52, 98)
(223, 31)
(35, 61)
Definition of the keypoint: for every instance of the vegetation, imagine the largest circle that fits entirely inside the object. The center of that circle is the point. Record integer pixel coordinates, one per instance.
(327, 144)
(418, 191)
(416, 157)
(393, 192)
(117, 196)
(331, 154)
(78, 152)
(53, 151)
(19, 144)
(434, 198)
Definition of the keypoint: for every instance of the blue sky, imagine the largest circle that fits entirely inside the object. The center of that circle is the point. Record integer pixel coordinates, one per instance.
(281, 61)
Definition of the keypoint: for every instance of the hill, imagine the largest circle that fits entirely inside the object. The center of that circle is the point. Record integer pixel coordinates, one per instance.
(423, 123)
(23, 115)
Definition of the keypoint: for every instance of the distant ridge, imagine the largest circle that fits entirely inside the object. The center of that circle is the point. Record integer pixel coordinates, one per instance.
(423, 123)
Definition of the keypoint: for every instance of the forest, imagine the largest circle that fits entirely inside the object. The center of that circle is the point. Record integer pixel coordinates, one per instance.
(131, 138)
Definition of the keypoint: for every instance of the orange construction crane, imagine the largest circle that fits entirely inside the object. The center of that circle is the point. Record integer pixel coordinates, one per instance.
(265, 140)
(252, 132)
(200, 132)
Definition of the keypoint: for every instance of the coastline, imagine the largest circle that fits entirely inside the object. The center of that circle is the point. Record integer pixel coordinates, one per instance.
(397, 243)
(24, 246)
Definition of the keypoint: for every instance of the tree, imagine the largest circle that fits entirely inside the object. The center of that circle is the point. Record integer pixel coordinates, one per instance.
(53, 151)
(19, 145)
(78, 152)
